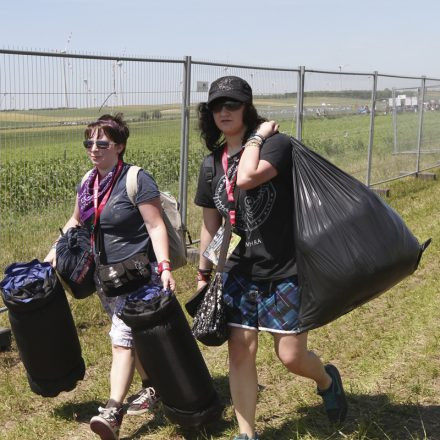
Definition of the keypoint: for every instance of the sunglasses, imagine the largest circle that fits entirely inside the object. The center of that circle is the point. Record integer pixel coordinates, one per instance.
(102, 145)
(228, 105)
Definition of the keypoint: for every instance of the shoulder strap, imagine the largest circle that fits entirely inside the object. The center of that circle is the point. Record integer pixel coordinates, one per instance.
(209, 167)
(131, 183)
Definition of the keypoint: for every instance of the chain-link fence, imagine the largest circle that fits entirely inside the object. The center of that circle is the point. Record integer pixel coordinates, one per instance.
(376, 127)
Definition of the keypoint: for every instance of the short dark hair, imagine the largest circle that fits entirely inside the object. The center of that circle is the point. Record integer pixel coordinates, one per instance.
(113, 126)
(210, 133)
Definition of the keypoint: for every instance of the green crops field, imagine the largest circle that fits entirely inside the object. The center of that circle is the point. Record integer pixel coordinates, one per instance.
(42, 159)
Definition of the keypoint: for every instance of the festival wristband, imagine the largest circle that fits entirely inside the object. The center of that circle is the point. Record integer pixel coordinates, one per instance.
(254, 142)
(163, 265)
(204, 275)
(257, 136)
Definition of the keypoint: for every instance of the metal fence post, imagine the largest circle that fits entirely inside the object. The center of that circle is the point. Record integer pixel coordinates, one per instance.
(184, 140)
(394, 120)
(371, 139)
(420, 131)
(300, 102)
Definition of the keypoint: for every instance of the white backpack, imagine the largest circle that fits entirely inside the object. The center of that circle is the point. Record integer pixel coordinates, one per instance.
(170, 214)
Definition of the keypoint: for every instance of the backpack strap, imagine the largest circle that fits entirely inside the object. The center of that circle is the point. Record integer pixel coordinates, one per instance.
(131, 183)
(209, 167)
(86, 176)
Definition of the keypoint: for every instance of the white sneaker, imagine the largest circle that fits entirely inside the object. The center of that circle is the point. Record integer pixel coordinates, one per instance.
(143, 401)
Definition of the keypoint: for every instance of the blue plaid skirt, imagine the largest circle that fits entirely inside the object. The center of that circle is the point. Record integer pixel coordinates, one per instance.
(271, 306)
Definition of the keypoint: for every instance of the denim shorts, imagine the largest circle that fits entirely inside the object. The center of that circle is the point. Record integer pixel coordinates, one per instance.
(271, 306)
(120, 333)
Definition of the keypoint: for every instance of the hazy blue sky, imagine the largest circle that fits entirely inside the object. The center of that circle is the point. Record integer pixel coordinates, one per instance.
(391, 36)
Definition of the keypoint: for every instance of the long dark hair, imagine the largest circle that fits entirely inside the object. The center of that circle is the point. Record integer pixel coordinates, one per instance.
(212, 136)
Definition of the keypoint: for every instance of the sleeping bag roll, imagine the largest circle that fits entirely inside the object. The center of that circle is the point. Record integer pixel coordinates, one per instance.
(169, 354)
(43, 327)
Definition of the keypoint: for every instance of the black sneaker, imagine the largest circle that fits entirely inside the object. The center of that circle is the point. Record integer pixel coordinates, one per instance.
(107, 423)
(335, 402)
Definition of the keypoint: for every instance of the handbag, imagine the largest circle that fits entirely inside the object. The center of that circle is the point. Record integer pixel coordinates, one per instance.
(124, 277)
(193, 303)
(209, 325)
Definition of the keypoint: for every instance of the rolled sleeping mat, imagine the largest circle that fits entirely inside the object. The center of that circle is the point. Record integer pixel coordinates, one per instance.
(170, 356)
(74, 263)
(43, 327)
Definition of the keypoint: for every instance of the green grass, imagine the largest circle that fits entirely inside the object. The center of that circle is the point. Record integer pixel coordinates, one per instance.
(387, 351)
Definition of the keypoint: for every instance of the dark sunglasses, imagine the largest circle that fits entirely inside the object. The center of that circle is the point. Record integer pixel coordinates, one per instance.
(228, 105)
(102, 145)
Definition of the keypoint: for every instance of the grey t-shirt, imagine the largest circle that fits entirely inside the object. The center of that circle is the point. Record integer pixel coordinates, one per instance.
(122, 227)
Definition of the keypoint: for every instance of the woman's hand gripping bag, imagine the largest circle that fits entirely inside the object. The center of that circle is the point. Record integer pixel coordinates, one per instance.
(351, 246)
(43, 327)
(75, 264)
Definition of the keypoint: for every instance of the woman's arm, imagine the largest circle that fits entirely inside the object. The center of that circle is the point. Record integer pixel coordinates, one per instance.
(251, 170)
(212, 220)
(73, 221)
(151, 212)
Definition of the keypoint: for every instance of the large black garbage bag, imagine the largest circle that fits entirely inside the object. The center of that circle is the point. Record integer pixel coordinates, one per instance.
(75, 263)
(351, 246)
(169, 354)
(43, 327)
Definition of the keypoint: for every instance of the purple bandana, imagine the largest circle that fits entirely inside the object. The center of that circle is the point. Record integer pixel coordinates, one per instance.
(85, 193)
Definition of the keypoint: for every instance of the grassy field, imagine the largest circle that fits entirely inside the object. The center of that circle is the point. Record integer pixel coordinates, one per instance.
(387, 351)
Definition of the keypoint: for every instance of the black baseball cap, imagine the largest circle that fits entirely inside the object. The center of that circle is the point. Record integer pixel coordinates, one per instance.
(230, 87)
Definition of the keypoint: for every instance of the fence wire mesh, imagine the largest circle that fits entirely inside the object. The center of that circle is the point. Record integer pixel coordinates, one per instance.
(47, 99)
(46, 102)
(336, 118)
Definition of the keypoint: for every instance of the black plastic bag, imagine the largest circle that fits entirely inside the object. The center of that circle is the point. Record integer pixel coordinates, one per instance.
(169, 354)
(351, 246)
(75, 263)
(43, 327)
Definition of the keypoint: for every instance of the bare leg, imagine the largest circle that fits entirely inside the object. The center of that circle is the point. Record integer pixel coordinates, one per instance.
(292, 351)
(121, 373)
(243, 381)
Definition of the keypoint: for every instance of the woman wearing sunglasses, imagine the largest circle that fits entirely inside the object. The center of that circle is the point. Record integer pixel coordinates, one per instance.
(124, 232)
(260, 279)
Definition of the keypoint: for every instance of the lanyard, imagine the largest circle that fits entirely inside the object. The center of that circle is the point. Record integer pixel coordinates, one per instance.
(230, 184)
(99, 207)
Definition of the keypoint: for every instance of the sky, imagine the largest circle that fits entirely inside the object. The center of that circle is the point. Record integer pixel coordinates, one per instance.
(390, 36)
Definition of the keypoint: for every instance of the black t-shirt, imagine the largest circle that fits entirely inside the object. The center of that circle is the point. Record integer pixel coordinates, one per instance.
(264, 214)
(122, 226)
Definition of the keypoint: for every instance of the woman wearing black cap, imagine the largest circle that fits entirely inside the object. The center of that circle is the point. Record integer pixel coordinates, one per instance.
(260, 281)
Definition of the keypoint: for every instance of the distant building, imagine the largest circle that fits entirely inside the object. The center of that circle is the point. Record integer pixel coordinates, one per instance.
(403, 102)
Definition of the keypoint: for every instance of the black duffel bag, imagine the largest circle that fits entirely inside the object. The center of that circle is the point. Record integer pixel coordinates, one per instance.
(351, 246)
(170, 356)
(75, 262)
(43, 327)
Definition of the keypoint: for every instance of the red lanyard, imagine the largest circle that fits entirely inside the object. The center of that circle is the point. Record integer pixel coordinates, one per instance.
(229, 184)
(99, 207)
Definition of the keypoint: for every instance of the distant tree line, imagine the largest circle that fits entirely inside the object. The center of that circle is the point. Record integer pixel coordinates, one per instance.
(360, 94)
